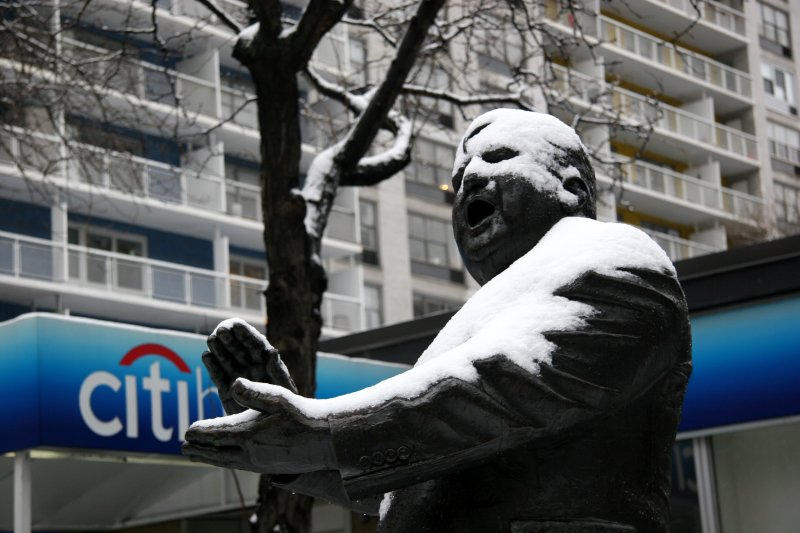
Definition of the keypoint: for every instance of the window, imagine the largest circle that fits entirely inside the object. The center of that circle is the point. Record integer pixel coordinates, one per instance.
(503, 50)
(429, 239)
(775, 26)
(357, 51)
(787, 203)
(780, 84)
(784, 143)
(236, 89)
(437, 79)
(243, 189)
(425, 304)
(247, 282)
(102, 263)
(373, 310)
(431, 164)
(369, 232)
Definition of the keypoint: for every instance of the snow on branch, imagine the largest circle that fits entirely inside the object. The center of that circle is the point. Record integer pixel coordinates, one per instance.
(374, 169)
(355, 102)
(516, 98)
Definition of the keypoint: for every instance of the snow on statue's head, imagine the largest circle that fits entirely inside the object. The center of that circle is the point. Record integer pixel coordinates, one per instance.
(516, 174)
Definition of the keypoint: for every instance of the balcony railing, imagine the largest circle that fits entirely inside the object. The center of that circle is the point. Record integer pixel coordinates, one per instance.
(240, 106)
(677, 248)
(648, 111)
(143, 80)
(784, 152)
(676, 58)
(44, 260)
(111, 171)
(693, 190)
(712, 12)
(684, 123)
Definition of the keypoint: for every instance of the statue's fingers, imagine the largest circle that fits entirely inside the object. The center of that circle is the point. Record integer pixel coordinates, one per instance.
(250, 395)
(223, 381)
(225, 456)
(228, 360)
(253, 353)
(279, 374)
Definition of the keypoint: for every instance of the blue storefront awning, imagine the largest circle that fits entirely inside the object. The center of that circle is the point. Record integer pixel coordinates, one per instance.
(88, 384)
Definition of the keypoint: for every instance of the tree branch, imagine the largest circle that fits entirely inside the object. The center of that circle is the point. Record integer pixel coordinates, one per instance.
(461, 100)
(374, 169)
(317, 20)
(223, 17)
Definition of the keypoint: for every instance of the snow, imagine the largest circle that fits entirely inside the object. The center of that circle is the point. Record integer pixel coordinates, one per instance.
(539, 138)
(249, 33)
(230, 322)
(386, 502)
(315, 185)
(508, 315)
(227, 421)
(397, 150)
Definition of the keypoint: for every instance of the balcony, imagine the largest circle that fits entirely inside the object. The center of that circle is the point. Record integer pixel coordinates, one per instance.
(677, 186)
(678, 121)
(706, 25)
(732, 88)
(244, 200)
(696, 134)
(95, 279)
(677, 248)
(143, 80)
(109, 171)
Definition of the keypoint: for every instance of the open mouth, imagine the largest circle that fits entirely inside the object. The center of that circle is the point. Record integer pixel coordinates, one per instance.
(478, 211)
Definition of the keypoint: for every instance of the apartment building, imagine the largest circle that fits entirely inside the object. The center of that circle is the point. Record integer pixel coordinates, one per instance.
(173, 233)
(717, 83)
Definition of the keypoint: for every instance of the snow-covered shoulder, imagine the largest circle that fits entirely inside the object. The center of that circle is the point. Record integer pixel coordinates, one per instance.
(511, 312)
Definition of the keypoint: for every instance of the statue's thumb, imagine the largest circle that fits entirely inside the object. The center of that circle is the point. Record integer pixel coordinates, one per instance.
(246, 394)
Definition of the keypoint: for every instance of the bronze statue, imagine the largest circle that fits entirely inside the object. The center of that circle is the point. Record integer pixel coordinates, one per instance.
(550, 401)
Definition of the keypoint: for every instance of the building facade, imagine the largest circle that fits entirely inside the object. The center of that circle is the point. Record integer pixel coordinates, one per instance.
(174, 231)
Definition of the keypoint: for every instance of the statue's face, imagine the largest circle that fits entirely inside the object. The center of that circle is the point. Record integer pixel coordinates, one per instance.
(508, 191)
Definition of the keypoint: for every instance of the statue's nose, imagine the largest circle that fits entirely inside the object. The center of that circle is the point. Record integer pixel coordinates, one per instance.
(474, 182)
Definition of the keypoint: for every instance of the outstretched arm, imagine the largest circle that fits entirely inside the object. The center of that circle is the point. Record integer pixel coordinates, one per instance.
(413, 427)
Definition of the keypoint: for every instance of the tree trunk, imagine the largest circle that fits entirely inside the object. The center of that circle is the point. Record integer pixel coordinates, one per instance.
(296, 277)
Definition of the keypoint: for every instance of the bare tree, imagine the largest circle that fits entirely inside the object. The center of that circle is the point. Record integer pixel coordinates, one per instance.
(75, 71)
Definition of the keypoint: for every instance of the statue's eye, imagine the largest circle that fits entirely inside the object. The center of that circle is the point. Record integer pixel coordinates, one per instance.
(457, 178)
(499, 154)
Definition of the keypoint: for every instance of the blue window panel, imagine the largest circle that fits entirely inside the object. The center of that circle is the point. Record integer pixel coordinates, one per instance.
(25, 219)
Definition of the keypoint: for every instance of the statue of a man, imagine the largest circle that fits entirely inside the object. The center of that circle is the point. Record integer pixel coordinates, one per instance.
(549, 402)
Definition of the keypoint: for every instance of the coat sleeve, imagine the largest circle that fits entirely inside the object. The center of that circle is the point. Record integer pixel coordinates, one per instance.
(638, 334)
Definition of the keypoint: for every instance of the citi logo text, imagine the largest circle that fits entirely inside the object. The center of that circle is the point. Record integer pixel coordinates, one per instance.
(155, 385)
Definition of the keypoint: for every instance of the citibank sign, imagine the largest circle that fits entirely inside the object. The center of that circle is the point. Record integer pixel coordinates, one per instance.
(154, 386)
(93, 385)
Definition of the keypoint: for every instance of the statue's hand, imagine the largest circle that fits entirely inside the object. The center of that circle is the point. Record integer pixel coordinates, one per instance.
(237, 350)
(273, 438)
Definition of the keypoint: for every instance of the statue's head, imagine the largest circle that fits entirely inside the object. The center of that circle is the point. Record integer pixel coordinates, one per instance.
(516, 174)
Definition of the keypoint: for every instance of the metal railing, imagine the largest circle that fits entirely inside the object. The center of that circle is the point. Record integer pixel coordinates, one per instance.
(141, 79)
(784, 152)
(341, 312)
(693, 190)
(111, 171)
(234, 105)
(712, 12)
(649, 111)
(678, 248)
(38, 259)
(676, 58)
(243, 200)
(684, 123)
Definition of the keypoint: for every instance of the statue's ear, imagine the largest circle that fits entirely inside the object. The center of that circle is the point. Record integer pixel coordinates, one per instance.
(577, 186)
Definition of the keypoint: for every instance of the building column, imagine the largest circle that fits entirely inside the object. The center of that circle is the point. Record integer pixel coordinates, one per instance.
(222, 260)
(59, 224)
(22, 492)
(706, 485)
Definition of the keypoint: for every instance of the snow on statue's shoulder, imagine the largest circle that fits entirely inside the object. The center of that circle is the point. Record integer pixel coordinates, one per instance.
(511, 312)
